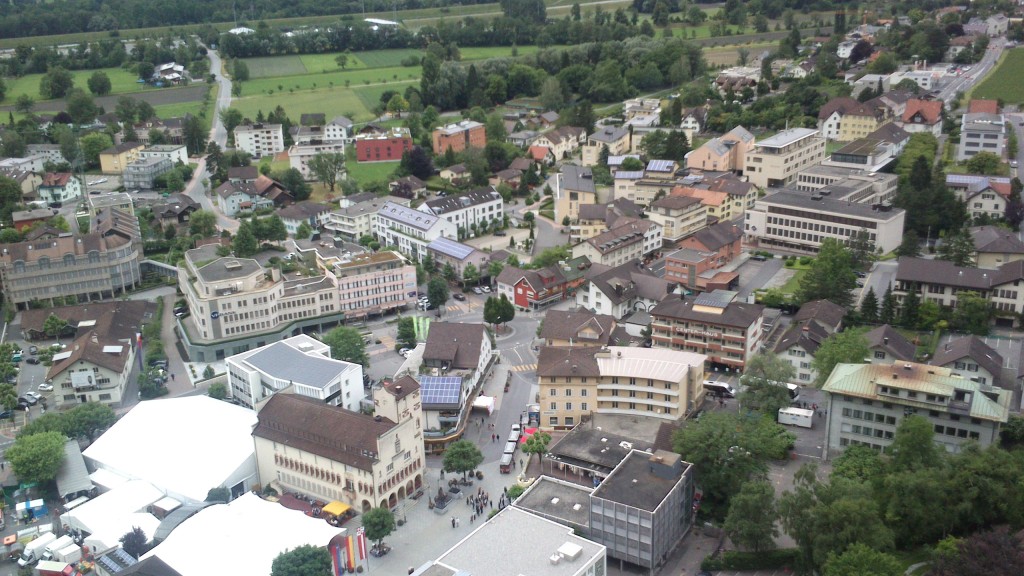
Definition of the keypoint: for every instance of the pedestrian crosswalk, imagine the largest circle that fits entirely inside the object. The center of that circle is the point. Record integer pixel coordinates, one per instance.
(524, 368)
(454, 308)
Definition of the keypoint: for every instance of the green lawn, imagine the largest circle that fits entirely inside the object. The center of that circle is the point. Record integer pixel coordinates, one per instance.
(332, 101)
(791, 285)
(270, 66)
(383, 58)
(1003, 82)
(121, 82)
(366, 172)
(361, 76)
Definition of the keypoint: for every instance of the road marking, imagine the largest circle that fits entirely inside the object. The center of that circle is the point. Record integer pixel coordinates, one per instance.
(524, 368)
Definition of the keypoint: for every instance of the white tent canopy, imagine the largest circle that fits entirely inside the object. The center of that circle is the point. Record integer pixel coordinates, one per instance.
(115, 510)
(111, 536)
(253, 529)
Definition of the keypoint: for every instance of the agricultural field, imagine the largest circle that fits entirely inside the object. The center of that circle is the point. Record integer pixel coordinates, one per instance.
(1003, 82)
(356, 102)
(121, 82)
(730, 55)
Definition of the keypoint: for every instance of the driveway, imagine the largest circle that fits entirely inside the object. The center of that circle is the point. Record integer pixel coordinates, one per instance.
(755, 275)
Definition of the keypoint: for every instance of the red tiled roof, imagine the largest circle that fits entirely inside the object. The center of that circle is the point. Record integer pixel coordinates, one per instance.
(56, 179)
(539, 153)
(983, 106)
(930, 110)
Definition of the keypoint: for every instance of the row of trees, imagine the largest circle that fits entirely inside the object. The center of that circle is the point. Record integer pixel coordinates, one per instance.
(37, 452)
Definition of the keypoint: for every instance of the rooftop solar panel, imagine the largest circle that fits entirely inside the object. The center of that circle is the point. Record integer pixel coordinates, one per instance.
(451, 248)
(440, 389)
(409, 216)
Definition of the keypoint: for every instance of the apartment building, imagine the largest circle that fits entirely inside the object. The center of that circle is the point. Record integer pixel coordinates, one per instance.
(595, 219)
(922, 116)
(728, 332)
(776, 161)
(867, 402)
(726, 153)
(338, 130)
(620, 290)
(95, 367)
(940, 281)
(142, 173)
(86, 267)
(447, 252)
(305, 445)
(577, 328)
(259, 139)
(459, 136)
(697, 270)
(793, 220)
(574, 187)
(299, 155)
(410, 230)
(174, 152)
(59, 187)
(844, 119)
(814, 323)
(385, 146)
(371, 284)
(995, 246)
(354, 220)
(678, 216)
(616, 139)
(300, 361)
(115, 159)
(479, 208)
(535, 289)
(643, 382)
(629, 241)
(563, 142)
(981, 132)
(236, 304)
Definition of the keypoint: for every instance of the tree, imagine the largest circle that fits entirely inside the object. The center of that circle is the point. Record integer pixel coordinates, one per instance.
(304, 231)
(341, 60)
(347, 344)
(750, 523)
(417, 163)
(99, 83)
(462, 456)
(135, 542)
(218, 391)
(913, 447)
(218, 494)
(492, 313)
(202, 223)
(889, 308)
(908, 315)
(88, 420)
(145, 70)
(862, 250)
(537, 444)
(326, 167)
(231, 118)
(294, 182)
(54, 326)
(506, 310)
(958, 248)
(380, 522)
(437, 292)
(859, 463)
(305, 560)
(406, 332)
(194, 135)
(56, 83)
(244, 243)
(765, 384)
(396, 105)
(869, 307)
(9, 396)
(993, 552)
(846, 347)
(859, 560)
(92, 145)
(831, 276)
(470, 275)
(984, 163)
(910, 245)
(37, 457)
(494, 269)
(972, 313)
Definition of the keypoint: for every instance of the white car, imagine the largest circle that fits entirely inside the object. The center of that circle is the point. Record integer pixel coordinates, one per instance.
(405, 352)
(34, 395)
(46, 387)
(486, 289)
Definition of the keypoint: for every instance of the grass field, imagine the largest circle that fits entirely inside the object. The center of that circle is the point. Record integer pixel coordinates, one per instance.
(357, 102)
(121, 82)
(730, 55)
(366, 172)
(1003, 81)
(355, 78)
(271, 66)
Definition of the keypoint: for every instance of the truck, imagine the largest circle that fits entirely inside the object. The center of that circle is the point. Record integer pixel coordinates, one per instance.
(50, 568)
(796, 417)
(35, 549)
(51, 548)
(69, 554)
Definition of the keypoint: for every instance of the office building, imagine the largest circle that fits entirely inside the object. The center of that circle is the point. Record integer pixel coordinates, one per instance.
(458, 137)
(981, 132)
(387, 146)
(141, 174)
(475, 210)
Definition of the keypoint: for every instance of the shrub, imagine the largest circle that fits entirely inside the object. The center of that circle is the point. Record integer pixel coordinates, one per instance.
(789, 263)
(805, 260)
(736, 560)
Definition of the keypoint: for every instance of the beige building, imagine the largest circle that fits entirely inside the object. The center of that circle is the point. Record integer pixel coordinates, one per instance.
(306, 446)
(355, 220)
(728, 332)
(995, 246)
(719, 205)
(679, 216)
(115, 160)
(617, 141)
(575, 187)
(627, 242)
(259, 139)
(563, 142)
(93, 368)
(776, 161)
(727, 153)
(649, 382)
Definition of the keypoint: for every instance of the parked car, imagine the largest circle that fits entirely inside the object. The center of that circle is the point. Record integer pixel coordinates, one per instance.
(500, 233)
(758, 258)
(477, 290)
(33, 395)
(33, 350)
(5, 414)
(405, 352)
(459, 296)
(486, 289)
(44, 387)
(32, 360)
(27, 400)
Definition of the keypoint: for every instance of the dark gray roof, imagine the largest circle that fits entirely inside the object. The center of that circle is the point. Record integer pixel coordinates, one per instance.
(567, 325)
(595, 449)
(997, 240)
(803, 200)
(971, 347)
(227, 268)
(808, 336)
(456, 343)
(609, 134)
(635, 282)
(152, 566)
(675, 202)
(577, 178)
(462, 201)
(559, 361)
(828, 315)
(735, 314)
(718, 235)
(563, 501)
(942, 272)
(634, 483)
(286, 363)
(302, 210)
(889, 339)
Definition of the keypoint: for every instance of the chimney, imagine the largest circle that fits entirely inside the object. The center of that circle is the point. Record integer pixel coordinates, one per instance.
(885, 340)
(398, 389)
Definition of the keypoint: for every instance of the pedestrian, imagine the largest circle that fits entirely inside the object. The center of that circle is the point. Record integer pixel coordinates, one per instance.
(467, 500)
(513, 464)
(453, 521)
(2, 465)
(815, 407)
(457, 522)
(172, 375)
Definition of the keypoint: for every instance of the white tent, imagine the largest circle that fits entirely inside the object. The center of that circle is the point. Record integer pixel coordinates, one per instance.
(184, 446)
(484, 403)
(110, 538)
(114, 511)
(254, 530)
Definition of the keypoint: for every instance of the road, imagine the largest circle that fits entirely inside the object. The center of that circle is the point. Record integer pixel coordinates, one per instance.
(880, 279)
(965, 81)
(196, 189)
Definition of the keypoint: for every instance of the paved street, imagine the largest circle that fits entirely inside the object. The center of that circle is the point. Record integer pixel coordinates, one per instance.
(881, 277)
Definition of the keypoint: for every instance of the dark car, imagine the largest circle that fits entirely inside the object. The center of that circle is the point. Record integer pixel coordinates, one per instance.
(459, 296)
(499, 233)
(32, 360)
(861, 275)
(758, 258)
(6, 414)
(27, 400)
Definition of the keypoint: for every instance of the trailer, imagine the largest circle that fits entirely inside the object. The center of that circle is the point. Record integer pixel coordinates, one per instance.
(69, 554)
(53, 547)
(796, 417)
(35, 549)
(51, 568)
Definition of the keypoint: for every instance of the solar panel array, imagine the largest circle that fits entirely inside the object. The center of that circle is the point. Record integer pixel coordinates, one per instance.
(440, 389)
(451, 248)
(116, 561)
(409, 216)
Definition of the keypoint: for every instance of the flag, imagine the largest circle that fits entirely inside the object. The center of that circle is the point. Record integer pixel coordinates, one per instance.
(339, 568)
(350, 548)
(361, 539)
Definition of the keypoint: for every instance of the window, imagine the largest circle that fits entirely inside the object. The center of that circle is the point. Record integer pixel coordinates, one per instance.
(568, 405)
(553, 421)
(553, 392)
(568, 391)
(879, 354)
(554, 405)
(583, 406)
(584, 391)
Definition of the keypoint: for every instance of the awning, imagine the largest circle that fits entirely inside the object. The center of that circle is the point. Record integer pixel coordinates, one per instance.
(72, 476)
(336, 508)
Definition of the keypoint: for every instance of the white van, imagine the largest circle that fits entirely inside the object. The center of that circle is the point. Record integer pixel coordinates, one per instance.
(719, 389)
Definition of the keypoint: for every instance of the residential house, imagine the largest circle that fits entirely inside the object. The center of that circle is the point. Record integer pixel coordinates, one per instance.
(300, 361)
(334, 454)
(170, 73)
(814, 323)
(455, 174)
(448, 252)
(736, 79)
(24, 220)
(458, 137)
(295, 215)
(50, 152)
(620, 290)
(176, 153)
(726, 153)
(775, 161)
(982, 132)
(387, 146)
(563, 142)
(574, 187)
(995, 246)
(242, 195)
(27, 180)
(982, 195)
(971, 358)
(95, 367)
(595, 219)
(509, 176)
(793, 220)
(410, 230)
(661, 169)
(844, 119)
(922, 116)
(722, 240)
(259, 139)
(408, 187)
(459, 349)
(468, 211)
(172, 129)
(678, 216)
(59, 187)
(698, 271)
(616, 140)
(714, 324)
(535, 289)
(867, 402)
(338, 130)
(718, 205)
(694, 120)
(299, 155)
(631, 240)
(549, 118)
(887, 346)
(941, 281)
(577, 328)
(541, 155)
(115, 160)
(175, 209)
(635, 107)
(522, 138)
(142, 173)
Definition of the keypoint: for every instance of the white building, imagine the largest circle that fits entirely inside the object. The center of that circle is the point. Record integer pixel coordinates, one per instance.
(302, 361)
(620, 290)
(59, 187)
(410, 230)
(355, 220)
(299, 155)
(629, 241)
(174, 152)
(479, 207)
(259, 139)
(981, 132)
(776, 161)
(187, 463)
(106, 518)
(338, 130)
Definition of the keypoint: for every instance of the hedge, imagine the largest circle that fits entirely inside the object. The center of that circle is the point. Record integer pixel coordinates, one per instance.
(736, 560)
